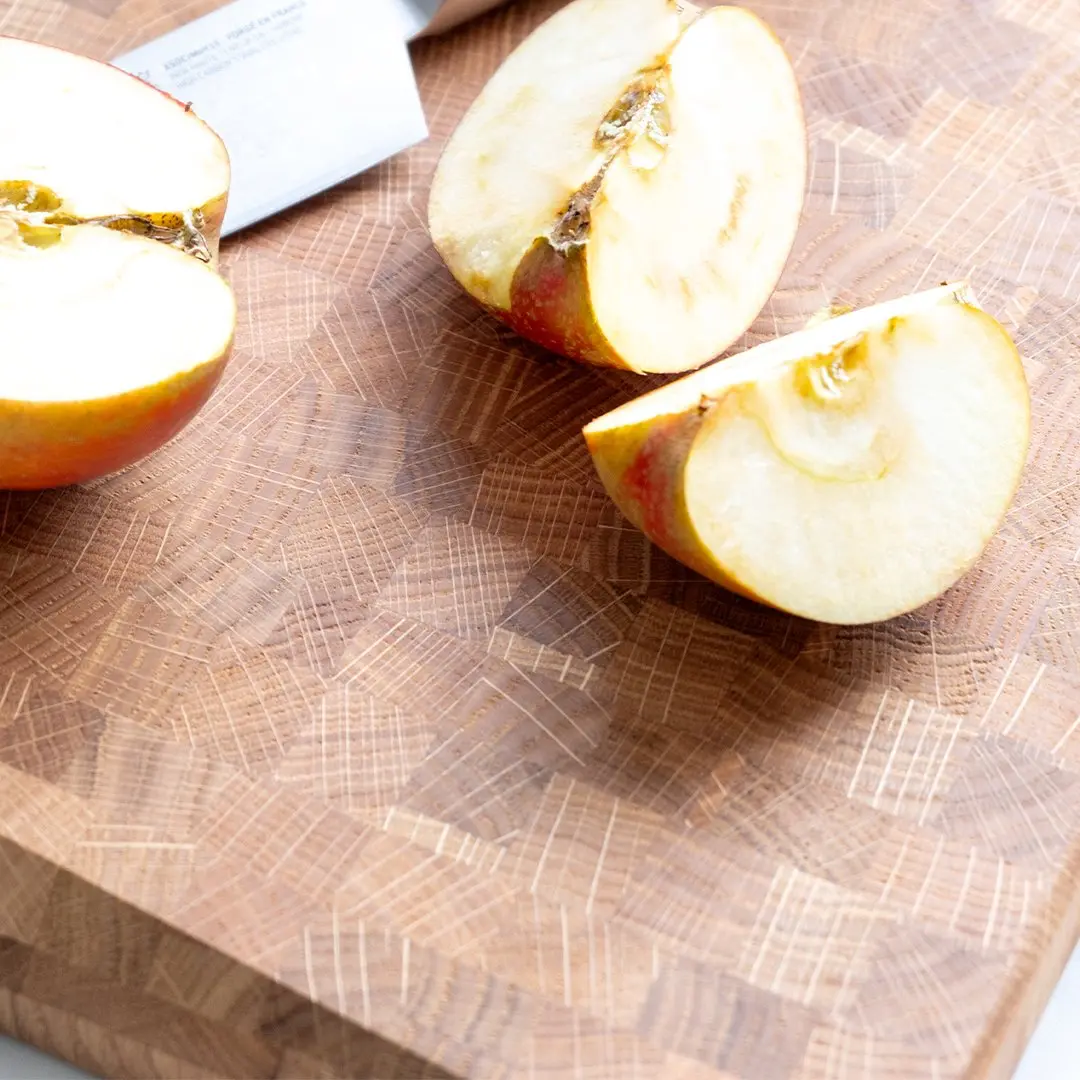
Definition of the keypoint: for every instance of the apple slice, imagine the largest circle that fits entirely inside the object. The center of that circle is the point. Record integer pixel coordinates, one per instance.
(627, 187)
(848, 473)
(115, 324)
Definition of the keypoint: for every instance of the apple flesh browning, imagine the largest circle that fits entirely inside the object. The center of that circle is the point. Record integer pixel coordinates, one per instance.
(626, 189)
(116, 325)
(848, 473)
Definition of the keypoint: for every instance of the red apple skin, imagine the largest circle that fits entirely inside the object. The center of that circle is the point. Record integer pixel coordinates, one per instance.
(60, 443)
(641, 467)
(549, 305)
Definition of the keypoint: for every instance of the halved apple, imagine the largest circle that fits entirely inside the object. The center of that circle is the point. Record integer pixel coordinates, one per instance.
(627, 187)
(847, 473)
(115, 325)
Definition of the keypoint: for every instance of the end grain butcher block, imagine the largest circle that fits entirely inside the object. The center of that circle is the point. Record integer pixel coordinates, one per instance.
(355, 734)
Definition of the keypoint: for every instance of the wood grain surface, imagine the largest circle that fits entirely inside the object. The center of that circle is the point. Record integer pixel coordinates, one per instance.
(356, 735)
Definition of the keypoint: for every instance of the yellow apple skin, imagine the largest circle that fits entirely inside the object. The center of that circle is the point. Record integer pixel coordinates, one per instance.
(58, 443)
(213, 215)
(641, 467)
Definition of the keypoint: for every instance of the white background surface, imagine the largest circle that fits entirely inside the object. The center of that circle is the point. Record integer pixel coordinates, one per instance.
(1052, 1054)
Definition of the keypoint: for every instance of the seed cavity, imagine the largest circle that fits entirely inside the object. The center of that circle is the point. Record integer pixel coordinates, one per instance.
(26, 196)
(641, 111)
(174, 230)
(572, 228)
(638, 123)
(836, 378)
(39, 236)
(39, 219)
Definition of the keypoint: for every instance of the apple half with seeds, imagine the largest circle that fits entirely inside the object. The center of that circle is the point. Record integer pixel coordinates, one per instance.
(847, 473)
(626, 189)
(116, 324)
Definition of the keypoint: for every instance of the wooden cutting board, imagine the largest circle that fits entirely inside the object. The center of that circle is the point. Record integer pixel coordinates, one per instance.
(356, 735)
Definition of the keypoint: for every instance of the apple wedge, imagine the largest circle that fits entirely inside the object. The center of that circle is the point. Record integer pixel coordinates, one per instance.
(115, 325)
(626, 189)
(848, 473)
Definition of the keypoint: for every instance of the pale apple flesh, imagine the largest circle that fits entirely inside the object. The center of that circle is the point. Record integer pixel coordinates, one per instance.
(626, 189)
(115, 325)
(849, 473)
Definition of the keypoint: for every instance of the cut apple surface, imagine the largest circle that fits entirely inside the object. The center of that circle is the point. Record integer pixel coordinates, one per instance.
(115, 324)
(848, 473)
(627, 187)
